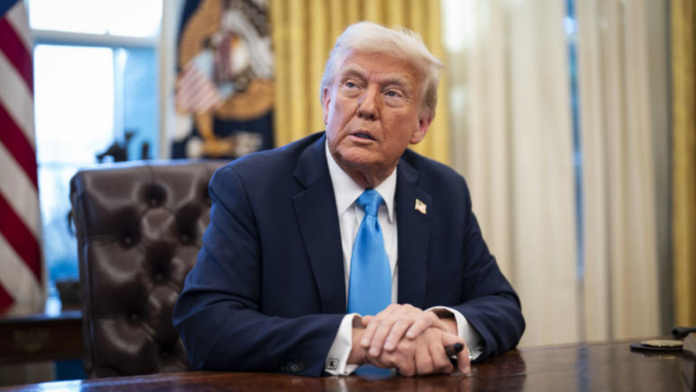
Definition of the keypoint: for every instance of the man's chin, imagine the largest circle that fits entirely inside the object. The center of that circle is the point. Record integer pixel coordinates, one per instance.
(358, 158)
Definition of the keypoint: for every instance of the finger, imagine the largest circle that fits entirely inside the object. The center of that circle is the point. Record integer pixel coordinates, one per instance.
(407, 366)
(397, 332)
(380, 335)
(441, 362)
(366, 320)
(425, 321)
(369, 332)
(374, 322)
(403, 317)
(463, 364)
(423, 359)
(440, 359)
(384, 361)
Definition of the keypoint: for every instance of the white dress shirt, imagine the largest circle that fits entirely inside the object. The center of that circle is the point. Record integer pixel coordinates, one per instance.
(350, 216)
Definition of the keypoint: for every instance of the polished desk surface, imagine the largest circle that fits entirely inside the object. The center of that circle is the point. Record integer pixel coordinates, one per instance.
(583, 367)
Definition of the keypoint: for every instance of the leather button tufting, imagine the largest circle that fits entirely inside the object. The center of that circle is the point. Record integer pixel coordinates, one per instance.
(155, 195)
(145, 212)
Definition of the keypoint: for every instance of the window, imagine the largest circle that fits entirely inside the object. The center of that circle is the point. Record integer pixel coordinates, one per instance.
(570, 27)
(95, 78)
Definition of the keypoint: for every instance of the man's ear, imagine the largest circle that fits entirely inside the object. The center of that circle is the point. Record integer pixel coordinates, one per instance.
(421, 129)
(325, 104)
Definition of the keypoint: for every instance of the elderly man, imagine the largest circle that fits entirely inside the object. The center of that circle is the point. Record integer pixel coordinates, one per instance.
(345, 248)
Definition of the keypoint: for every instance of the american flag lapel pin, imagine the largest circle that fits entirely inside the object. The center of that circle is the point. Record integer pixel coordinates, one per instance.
(421, 207)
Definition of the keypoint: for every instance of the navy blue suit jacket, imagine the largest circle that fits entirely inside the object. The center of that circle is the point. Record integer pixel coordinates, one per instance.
(268, 291)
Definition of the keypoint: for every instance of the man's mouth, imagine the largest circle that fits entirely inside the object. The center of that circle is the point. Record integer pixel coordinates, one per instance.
(363, 136)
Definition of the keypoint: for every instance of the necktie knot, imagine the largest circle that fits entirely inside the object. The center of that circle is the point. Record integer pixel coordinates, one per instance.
(370, 200)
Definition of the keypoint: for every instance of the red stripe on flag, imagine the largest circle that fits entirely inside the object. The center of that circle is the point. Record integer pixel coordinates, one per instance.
(20, 238)
(5, 299)
(17, 144)
(16, 52)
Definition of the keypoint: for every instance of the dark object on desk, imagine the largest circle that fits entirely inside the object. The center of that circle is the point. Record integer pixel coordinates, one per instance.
(117, 150)
(139, 228)
(454, 349)
(452, 352)
(682, 332)
(656, 348)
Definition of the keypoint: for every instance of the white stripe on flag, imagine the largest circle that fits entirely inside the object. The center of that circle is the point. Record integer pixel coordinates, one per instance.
(17, 16)
(16, 277)
(19, 192)
(16, 98)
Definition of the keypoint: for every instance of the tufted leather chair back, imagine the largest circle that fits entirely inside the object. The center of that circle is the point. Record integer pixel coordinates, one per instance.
(139, 228)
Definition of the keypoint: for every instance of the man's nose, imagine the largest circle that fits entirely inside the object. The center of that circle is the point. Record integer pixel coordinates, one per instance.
(368, 106)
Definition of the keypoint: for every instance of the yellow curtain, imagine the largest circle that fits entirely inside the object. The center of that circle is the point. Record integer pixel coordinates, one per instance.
(304, 32)
(684, 186)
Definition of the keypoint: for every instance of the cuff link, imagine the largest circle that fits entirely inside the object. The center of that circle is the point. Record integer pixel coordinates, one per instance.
(332, 364)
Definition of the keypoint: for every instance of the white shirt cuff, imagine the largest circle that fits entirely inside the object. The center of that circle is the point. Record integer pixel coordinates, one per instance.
(464, 329)
(336, 360)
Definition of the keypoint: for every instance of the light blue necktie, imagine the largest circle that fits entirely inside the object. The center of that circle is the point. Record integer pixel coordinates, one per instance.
(369, 291)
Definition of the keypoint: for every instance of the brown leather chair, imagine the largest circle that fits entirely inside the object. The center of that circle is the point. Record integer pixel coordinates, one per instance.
(139, 228)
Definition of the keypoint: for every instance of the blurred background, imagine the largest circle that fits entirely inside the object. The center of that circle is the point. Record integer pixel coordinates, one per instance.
(573, 122)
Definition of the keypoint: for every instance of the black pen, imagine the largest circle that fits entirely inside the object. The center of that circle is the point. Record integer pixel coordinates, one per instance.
(452, 352)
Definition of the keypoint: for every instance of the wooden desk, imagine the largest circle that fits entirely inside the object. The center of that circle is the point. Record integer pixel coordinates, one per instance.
(584, 367)
(27, 335)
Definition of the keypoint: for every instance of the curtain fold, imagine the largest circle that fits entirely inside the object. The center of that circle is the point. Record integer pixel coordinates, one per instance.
(304, 32)
(621, 280)
(512, 139)
(683, 37)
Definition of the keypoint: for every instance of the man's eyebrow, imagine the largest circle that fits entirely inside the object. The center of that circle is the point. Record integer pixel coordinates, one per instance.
(398, 80)
(352, 70)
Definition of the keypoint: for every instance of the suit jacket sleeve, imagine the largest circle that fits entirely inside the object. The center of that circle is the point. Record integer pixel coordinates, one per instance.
(490, 304)
(218, 314)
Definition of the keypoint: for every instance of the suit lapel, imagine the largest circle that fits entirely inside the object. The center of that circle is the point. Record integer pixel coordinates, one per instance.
(414, 236)
(315, 208)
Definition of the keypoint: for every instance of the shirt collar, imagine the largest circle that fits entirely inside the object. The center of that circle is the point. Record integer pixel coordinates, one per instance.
(347, 191)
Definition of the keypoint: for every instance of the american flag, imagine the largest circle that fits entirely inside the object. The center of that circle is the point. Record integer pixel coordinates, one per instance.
(196, 92)
(21, 270)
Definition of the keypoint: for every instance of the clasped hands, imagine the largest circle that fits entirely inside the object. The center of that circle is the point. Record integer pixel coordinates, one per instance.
(409, 339)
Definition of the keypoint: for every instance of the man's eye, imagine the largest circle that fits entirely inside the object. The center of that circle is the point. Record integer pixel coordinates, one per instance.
(350, 84)
(393, 94)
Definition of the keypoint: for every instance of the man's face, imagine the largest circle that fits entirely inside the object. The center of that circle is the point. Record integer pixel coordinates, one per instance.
(372, 111)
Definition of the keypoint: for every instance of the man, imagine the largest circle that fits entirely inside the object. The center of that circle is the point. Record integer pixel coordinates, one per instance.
(348, 222)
